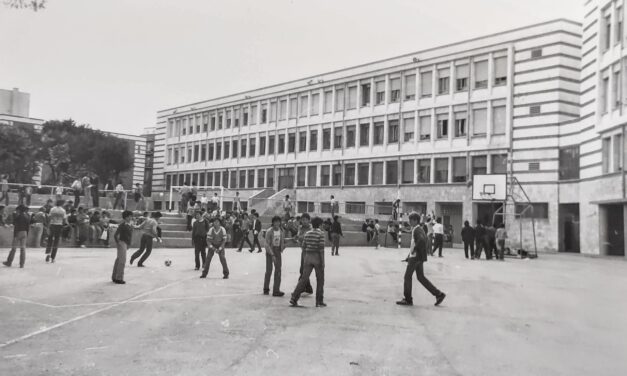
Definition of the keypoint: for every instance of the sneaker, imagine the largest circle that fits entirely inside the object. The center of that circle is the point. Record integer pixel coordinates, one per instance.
(226, 277)
(119, 282)
(197, 268)
(405, 302)
(52, 261)
(266, 292)
(239, 250)
(439, 299)
(47, 258)
(21, 266)
(6, 264)
(279, 293)
(321, 304)
(138, 265)
(251, 250)
(203, 276)
(259, 251)
(293, 303)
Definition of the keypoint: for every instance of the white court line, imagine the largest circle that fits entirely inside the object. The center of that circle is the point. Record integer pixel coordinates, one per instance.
(13, 300)
(77, 318)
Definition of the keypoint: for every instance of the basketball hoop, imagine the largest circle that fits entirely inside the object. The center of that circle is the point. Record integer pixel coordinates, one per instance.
(487, 196)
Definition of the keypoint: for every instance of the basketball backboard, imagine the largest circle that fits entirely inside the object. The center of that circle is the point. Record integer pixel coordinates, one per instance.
(491, 187)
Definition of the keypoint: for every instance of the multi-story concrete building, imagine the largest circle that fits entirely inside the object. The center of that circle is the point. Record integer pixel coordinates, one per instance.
(15, 108)
(422, 125)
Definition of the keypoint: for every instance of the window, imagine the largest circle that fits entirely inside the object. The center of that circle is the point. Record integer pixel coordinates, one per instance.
(203, 152)
(196, 152)
(498, 120)
(210, 178)
(242, 178)
(326, 139)
(391, 172)
(281, 144)
(442, 120)
(410, 87)
(217, 179)
(534, 166)
(425, 127)
(535, 210)
(251, 148)
(605, 91)
(364, 134)
(205, 123)
(350, 136)
(362, 173)
(337, 175)
(315, 104)
(349, 174)
(395, 90)
(325, 175)
(184, 129)
(273, 108)
(607, 31)
(264, 113)
(392, 131)
(479, 165)
(339, 100)
(481, 74)
(262, 145)
(569, 163)
(243, 148)
(213, 123)
(304, 103)
(536, 53)
(300, 176)
(441, 170)
(236, 117)
(228, 119)
(617, 153)
(352, 97)
(365, 95)
(291, 143)
(377, 173)
(460, 124)
(378, 133)
(293, 107)
(619, 25)
(337, 137)
(176, 156)
(283, 109)
(535, 110)
(218, 151)
(253, 115)
(328, 101)
(312, 176)
(408, 172)
(500, 71)
(459, 169)
(408, 129)
(615, 87)
(270, 178)
(250, 182)
(235, 149)
(227, 150)
(271, 145)
(426, 84)
(499, 164)
(313, 140)
(479, 121)
(444, 82)
(380, 92)
(461, 77)
(189, 155)
(302, 141)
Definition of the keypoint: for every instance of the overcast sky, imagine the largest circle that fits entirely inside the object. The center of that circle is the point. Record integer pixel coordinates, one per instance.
(114, 63)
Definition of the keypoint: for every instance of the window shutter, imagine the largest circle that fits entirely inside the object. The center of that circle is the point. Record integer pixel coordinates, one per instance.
(500, 67)
(462, 71)
(481, 70)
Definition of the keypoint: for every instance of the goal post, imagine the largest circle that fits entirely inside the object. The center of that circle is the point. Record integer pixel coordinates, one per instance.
(202, 188)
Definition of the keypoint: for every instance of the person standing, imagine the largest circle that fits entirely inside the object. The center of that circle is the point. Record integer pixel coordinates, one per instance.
(95, 192)
(336, 232)
(287, 207)
(58, 191)
(108, 189)
(119, 196)
(138, 197)
(314, 260)
(275, 244)
(237, 205)
(82, 220)
(39, 222)
(149, 231)
(123, 236)
(216, 238)
(305, 227)
(76, 188)
(396, 208)
(199, 239)
(468, 237)
(215, 202)
(479, 234)
(334, 207)
(415, 264)
(86, 185)
(28, 193)
(56, 220)
(256, 231)
(375, 235)
(4, 189)
(21, 224)
(501, 236)
(245, 228)
(438, 236)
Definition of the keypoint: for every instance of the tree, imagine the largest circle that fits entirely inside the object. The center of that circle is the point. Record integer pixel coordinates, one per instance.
(35, 5)
(19, 147)
(111, 156)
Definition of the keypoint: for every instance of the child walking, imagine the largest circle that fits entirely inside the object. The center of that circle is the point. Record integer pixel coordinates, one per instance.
(123, 236)
(275, 244)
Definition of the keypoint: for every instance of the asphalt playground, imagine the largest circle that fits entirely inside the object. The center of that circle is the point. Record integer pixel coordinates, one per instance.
(556, 315)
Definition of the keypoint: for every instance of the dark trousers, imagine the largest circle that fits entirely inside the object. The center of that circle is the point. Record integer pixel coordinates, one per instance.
(478, 247)
(438, 241)
(144, 244)
(54, 235)
(246, 240)
(95, 196)
(120, 261)
(469, 246)
(312, 261)
(118, 200)
(413, 265)
(5, 197)
(200, 246)
(308, 287)
(189, 222)
(270, 262)
(256, 242)
(501, 250)
(77, 198)
(220, 252)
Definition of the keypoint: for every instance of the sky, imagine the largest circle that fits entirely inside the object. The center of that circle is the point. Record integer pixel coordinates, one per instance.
(114, 63)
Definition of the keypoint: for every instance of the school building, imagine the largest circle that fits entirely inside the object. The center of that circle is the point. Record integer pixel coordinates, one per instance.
(421, 125)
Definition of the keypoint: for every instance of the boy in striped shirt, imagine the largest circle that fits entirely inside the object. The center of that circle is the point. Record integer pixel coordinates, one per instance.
(313, 248)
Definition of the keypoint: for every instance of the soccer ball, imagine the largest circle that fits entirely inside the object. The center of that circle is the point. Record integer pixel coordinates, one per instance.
(168, 262)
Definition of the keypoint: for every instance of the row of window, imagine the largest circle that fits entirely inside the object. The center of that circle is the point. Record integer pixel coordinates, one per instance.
(346, 136)
(613, 154)
(363, 93)
(393, 172)
(611, 34)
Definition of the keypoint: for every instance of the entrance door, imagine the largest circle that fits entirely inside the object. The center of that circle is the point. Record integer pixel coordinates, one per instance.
(615, 230)
(451, 214)
(485, 214)
(569, 228)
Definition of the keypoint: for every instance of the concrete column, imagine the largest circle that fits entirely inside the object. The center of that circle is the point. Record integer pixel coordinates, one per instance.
(432, 174)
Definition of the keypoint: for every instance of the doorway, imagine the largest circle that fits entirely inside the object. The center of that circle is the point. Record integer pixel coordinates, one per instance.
(615, 235)
(451, 214)
(484, 212)
(286, 178)
(569, 228)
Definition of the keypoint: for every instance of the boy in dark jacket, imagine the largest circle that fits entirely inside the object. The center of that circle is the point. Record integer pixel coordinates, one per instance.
(199, 239)
(21, 225)
(468, 237)
(123, 236)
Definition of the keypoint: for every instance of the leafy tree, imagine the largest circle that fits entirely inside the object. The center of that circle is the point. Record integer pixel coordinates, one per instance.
(26, 4)
(19, 146)
(111, 156)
